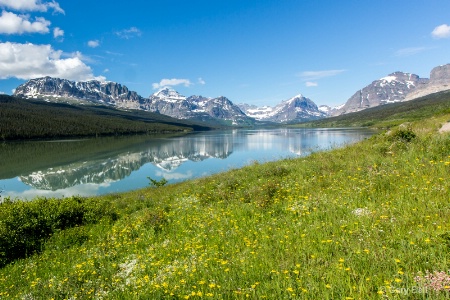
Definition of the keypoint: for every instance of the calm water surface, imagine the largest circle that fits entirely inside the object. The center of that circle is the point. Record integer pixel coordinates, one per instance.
(106, 165)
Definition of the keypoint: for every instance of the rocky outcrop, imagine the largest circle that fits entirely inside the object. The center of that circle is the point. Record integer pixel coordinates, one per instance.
(392, 88)
(440, 75)
(439, 81)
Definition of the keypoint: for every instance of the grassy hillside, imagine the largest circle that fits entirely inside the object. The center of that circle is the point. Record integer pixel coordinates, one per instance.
(33, 119)
(368, 221)
(389, 115)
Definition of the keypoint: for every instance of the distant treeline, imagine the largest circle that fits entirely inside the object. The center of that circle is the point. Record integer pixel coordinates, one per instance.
(22, 119)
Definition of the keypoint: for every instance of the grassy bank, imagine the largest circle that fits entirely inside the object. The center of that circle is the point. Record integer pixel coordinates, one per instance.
(368, 221)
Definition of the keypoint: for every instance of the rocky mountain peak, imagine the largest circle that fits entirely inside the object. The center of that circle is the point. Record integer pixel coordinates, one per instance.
(168, 93)
(440, 75)
(298, 101)
(392, 88)
(296, 97)
(439, 81)
(56, 89)
(295, 109)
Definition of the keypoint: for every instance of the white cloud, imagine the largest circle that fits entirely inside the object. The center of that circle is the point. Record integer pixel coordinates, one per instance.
(311, 84)
(441, 31)
(315, 75)
(128, 33)
(31, 5)
(106, 70)
(201, 81)
(55, 6)
(79, 55)
(410, 51)
(94, 43)
(10, 23)
(114, 53)
(171, 82)
(58, 32)
(27, 61)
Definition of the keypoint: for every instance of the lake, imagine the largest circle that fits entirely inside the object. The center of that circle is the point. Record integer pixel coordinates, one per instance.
(116, 164)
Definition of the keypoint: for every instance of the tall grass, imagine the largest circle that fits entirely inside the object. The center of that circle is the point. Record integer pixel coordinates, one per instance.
(368, 221)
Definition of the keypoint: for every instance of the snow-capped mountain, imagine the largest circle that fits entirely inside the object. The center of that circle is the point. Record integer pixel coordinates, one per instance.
(389, 89)
(171, 103)
(295, 109)
(56, 89)
(166, 101)
(169, 95)
(258, 113)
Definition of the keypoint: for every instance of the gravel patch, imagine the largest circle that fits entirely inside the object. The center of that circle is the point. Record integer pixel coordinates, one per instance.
(445, 128)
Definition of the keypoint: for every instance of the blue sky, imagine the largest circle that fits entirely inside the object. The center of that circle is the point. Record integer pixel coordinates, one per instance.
(258, 52)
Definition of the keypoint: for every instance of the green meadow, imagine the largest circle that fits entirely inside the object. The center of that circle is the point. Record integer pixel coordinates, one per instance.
(366, 221)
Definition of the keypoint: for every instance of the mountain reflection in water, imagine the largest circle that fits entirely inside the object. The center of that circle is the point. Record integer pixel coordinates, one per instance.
(166, 154)
(104, 162)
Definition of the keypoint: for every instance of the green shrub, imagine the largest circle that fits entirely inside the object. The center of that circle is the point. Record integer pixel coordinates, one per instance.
(154, 219)
(403, 133)
(67, 238)
(157, 183)
(25, 226)
(277, 171)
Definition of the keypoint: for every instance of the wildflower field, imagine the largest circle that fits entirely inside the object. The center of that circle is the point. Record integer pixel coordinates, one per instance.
(367, 221)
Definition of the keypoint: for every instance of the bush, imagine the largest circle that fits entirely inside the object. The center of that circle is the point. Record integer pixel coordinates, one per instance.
(155, 219)
(404, 133)
(25, 226)
(155, 183)
(67, 238)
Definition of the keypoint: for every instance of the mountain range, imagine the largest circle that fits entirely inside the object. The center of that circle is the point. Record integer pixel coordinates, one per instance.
(396, 87)
(167, 102)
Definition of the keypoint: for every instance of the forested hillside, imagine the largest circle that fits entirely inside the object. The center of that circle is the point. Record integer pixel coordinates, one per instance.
(33, 119)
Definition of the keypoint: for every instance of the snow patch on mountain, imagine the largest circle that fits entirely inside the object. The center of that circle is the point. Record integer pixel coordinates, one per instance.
(169, 95)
